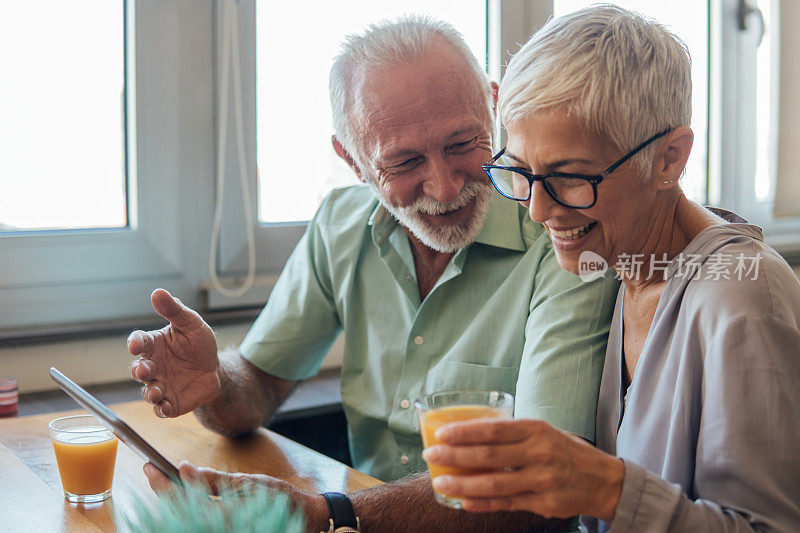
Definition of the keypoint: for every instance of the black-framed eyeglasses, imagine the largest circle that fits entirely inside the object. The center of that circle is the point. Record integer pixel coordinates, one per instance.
(578, 191)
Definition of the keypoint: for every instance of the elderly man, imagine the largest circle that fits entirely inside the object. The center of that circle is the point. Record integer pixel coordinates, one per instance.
(436, 283)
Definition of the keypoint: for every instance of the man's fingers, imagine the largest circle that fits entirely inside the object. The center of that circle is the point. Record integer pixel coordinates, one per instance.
(141, 343)
(180, 316)
(489, 430)
(163, 409)
(142, 370)
(193, 474)
(158, 481)
(153, 392)
(215, 480)
(166, 410)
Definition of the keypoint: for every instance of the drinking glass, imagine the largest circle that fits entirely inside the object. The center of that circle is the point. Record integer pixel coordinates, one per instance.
(443, 407)
(86, 452)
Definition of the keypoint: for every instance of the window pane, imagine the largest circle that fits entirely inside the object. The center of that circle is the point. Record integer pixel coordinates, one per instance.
(62, 139)
(294, 56)
(766, 86)
(688, 19)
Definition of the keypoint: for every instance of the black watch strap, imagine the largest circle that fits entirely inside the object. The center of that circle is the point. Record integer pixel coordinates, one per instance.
(341, 508)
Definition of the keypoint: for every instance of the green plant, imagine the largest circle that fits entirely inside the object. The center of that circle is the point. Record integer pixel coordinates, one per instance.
(189, 509)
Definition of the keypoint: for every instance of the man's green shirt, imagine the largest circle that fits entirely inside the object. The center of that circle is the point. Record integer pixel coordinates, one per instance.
(503, 316)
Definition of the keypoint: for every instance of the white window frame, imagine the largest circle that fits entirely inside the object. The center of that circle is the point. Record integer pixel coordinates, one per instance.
(732, 125)
(278, 239)
(56, 277)
(86, 276)
(509, 23)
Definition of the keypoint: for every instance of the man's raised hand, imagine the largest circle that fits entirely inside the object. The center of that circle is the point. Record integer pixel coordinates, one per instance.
(178, 363)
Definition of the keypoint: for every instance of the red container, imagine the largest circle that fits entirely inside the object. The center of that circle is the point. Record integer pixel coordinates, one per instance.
(9, 396)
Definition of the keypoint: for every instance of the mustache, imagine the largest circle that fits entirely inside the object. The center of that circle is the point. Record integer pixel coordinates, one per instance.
(431, 206)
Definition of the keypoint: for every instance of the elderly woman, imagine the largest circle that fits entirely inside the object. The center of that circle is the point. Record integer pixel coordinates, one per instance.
(698, 420)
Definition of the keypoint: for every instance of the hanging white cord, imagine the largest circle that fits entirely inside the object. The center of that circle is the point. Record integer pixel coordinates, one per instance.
(230, 34)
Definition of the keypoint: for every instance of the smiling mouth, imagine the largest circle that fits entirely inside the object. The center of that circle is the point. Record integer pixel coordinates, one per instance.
(447, 213)
(447, 209)
(451, 212)
(572, 233)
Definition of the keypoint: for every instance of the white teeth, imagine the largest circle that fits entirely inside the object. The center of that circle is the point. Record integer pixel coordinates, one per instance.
(572, 233)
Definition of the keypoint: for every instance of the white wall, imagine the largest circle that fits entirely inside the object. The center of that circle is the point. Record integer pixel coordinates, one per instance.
(102, 360)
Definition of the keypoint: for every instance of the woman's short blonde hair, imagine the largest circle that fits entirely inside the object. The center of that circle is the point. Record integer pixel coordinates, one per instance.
(622, 76)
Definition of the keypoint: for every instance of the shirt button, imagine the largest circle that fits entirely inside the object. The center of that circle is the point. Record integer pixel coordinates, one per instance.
(404, 403)
(404, 459)
(418, 340)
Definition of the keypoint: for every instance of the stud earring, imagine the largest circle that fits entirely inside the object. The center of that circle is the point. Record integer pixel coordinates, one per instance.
(667, 182)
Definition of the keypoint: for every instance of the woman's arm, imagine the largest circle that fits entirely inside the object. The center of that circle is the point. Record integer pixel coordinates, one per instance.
(747, 454)
(538, 468)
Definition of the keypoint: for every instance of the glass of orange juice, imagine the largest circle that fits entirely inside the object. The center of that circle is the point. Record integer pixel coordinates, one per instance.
(85, 452)
(440, 408)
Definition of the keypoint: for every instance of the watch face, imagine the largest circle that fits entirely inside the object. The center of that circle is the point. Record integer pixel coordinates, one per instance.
(344, 529)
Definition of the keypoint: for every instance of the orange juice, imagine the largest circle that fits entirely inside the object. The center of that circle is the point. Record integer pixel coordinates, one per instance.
(86, 460)
(433, 419)
(440, 408)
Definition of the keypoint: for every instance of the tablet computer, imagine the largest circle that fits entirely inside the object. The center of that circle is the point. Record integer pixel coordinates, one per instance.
(119, 428)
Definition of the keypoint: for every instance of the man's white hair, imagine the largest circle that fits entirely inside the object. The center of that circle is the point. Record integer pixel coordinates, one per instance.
(383, 45)
(622, 76)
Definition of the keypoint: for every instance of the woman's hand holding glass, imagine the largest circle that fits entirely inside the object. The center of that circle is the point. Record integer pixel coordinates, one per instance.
(538, 468)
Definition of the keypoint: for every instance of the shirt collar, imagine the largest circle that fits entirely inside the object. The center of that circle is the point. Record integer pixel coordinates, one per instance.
(501, 228)
(381, 223)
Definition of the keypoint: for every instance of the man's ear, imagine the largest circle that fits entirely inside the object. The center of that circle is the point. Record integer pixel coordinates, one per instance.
(341, 152)
(668, 168)
(495, 91)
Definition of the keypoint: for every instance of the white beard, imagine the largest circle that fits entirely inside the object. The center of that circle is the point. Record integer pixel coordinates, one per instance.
(445, 239)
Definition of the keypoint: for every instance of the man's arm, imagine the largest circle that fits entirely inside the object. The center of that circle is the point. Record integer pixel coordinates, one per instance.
(408, 505)
(247, 399)
(404, 505)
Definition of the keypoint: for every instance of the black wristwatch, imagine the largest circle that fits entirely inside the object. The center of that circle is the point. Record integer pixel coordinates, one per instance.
(343, 518)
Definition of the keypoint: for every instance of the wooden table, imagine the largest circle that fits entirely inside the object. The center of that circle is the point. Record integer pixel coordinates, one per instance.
(31, 498)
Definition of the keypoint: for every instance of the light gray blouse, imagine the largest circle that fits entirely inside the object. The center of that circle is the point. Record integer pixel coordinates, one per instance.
(709, 429)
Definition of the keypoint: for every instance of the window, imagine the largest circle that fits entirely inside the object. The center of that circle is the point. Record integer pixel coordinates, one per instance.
(766, 70)
(62, 142)
(117, 223)
(139, 148)
(293, 110)
(293, 117)
(785, 111)
(754, 97)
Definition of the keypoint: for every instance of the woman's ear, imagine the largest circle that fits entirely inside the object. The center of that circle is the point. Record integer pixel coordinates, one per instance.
(345, 155)
(671, 160)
